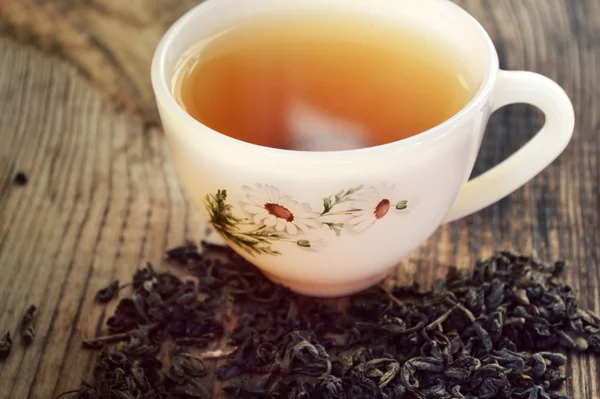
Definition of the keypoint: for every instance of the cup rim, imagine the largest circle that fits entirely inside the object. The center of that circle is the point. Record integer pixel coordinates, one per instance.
(165, 97)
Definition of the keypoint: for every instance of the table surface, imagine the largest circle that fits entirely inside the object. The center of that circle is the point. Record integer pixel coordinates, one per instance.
(77, 115)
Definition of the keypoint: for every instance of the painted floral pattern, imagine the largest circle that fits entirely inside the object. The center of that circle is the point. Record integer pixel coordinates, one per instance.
(269, 208)
(271, 216)
(371, 207)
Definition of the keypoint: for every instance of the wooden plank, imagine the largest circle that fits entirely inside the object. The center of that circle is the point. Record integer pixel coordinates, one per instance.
(102, 199)
(103, 196)
(90, 33)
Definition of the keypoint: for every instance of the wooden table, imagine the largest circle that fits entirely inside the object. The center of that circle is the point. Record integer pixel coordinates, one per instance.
(103, 196)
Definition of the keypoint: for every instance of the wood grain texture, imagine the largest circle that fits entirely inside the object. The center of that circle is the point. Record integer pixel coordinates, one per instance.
(96, 35)
(103, 196)
(102, 199)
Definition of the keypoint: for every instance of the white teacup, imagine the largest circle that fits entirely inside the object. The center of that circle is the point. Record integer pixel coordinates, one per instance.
(335, 222)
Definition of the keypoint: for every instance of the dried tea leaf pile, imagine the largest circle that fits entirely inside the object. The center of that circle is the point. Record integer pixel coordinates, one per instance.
(492, 332)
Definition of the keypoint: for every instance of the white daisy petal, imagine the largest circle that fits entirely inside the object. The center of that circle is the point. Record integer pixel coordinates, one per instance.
(362, 226)
(307, 215)
(360, 219)
(254, 209)
(258, 219)
(312, 223)
(372, 191)
(280, 226)
(301, 225)
(318, 245)
(304, 207)
(256, 201)
(288, 202)
(270, 221)
(262, 192)
(291, 229)
(370, 197)
(273, 193)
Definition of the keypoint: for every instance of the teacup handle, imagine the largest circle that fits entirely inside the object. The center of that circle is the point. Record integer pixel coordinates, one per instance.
(514, 87)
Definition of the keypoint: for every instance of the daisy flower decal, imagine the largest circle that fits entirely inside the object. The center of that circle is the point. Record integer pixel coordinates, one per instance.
(373, 206)
(269, 208)
(265, 217)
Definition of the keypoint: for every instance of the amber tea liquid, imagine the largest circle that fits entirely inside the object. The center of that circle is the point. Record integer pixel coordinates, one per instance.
(322, 81)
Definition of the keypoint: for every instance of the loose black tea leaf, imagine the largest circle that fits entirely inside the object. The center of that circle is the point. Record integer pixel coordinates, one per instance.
(480, 334)
(108, 293)
(100, 342)
(492, 332)
(27, 327)
(20, 179)
(5, 346)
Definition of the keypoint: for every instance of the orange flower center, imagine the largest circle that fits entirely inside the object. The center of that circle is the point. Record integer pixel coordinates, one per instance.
(382, 208)
(282, 212)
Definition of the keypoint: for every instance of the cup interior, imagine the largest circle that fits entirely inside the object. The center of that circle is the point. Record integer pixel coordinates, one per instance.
(440, 19)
